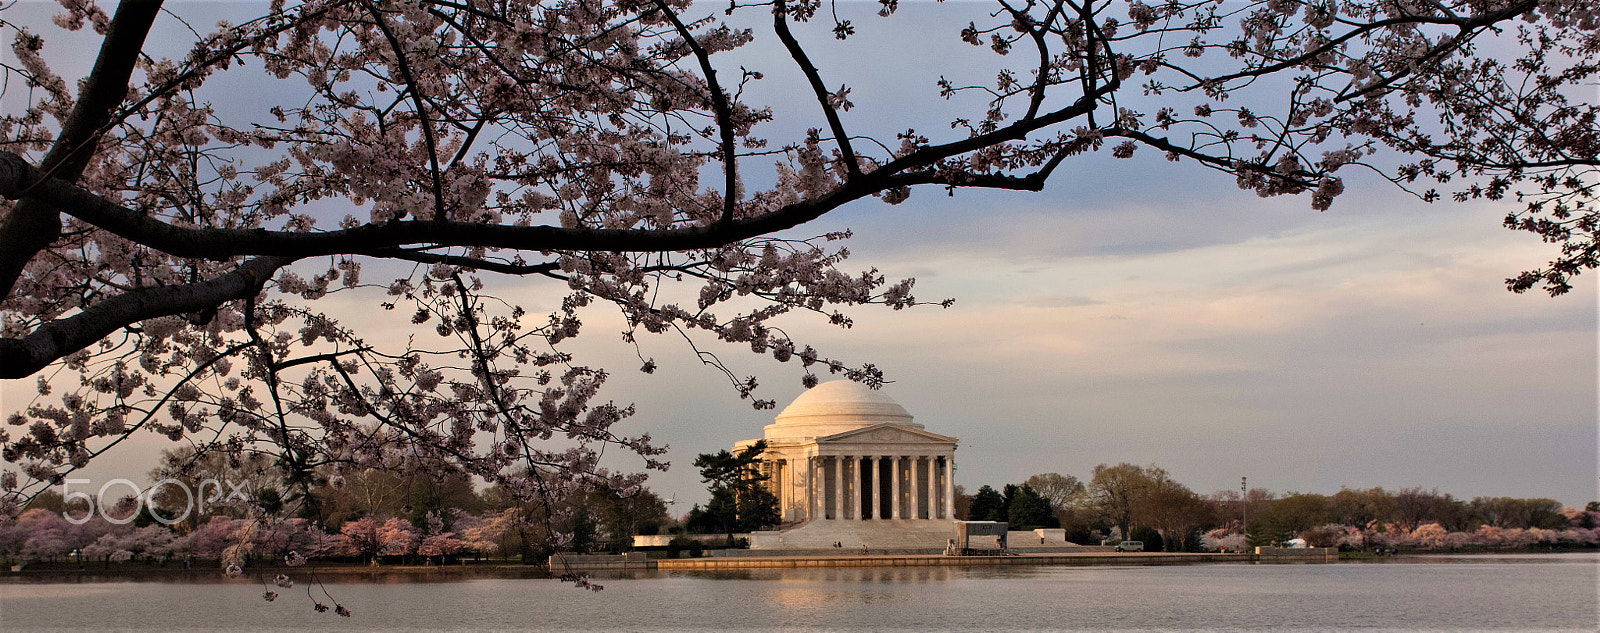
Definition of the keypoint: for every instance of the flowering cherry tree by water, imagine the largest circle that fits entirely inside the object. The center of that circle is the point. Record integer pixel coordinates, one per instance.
(165, 261)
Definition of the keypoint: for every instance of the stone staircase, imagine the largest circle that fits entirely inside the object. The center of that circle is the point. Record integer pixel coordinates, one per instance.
(852, 534)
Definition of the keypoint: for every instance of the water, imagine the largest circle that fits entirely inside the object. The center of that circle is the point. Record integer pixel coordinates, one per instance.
(1525, 592)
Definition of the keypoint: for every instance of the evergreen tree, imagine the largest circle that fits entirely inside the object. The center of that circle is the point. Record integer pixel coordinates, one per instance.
(987, 505)
(1028, 509)
(1152, 539)
(740, 499)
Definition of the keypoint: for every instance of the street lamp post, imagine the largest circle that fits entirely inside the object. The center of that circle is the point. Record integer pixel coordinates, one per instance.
(1244, 504)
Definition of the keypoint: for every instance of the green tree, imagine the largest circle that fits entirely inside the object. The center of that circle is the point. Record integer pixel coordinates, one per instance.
(740, 499)
(987, 505)
(1026, 509)
(445, 495)
(640, 513)
(1153, 542)
(48, 499)
(1268, 529)
(1301, 512)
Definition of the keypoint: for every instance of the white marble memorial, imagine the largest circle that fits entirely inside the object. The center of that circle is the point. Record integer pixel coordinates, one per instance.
(849, 465)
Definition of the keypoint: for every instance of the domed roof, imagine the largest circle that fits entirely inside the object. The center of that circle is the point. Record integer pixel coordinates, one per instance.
(835, 407)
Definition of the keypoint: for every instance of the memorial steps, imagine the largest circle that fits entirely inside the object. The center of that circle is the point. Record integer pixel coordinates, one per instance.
(853, 533)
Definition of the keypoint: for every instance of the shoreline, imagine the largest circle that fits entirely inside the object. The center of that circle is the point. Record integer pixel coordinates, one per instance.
(447, 573)
(428, 573)
(338, 572)
(916, 560)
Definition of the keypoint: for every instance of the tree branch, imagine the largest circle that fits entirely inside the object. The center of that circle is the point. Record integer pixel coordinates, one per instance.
(719, 103)
(440, 213)
(21, 357)
(781, 26)
(32, 226)
(372, 239)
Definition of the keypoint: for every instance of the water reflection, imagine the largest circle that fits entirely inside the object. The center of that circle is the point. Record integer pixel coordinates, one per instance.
(1550, 593)
(895, 575)
(331, 575)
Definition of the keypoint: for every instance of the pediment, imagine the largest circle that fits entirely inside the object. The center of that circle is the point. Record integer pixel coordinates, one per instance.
(886, 434)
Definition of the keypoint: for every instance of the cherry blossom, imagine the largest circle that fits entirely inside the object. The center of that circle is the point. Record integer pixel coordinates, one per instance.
(165, 262)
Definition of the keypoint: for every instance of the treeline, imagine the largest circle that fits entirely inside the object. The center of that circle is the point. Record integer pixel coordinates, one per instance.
(1144, 503)
(244, 510)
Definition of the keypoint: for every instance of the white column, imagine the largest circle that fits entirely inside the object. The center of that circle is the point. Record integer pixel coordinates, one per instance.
(780, 491)
(861, 490)
(855, 484)
(855, 487)
(894, 478)
(803, 497)
(822, 487)
(838, 488)
(775, 484)
(916, 477)
(847, 472)
(877, 490)
(786, 479)
(930, 497)
(811, 488)
(950, 487)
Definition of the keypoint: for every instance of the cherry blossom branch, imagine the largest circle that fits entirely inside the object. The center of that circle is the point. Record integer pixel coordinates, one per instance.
(780, 25)
(440, 213)
(20, 357)
(719, 105)
(31, 226)
(372, 239)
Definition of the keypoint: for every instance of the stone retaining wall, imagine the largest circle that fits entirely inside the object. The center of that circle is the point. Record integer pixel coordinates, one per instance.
(955, 561)
(1298, 553)
(747, 559)
(630, 560)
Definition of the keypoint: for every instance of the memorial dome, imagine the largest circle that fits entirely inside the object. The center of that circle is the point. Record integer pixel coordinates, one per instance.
(836, 407)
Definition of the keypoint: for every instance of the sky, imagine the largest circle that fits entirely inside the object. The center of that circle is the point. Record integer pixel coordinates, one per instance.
(1147, 312)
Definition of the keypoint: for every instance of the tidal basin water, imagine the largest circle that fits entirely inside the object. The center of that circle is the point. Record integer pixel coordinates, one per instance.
(1513, 592)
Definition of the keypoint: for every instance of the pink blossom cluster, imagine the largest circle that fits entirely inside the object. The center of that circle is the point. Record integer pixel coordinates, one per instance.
(175, 263)
(44, 535)
(1432, 536)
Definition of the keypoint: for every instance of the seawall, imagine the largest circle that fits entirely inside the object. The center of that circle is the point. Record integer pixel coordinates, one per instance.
(591, 562)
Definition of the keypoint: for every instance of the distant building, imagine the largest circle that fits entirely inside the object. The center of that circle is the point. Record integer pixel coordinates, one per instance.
(849, 465)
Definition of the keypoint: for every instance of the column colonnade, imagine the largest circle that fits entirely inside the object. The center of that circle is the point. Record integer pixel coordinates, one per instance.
(854, 487)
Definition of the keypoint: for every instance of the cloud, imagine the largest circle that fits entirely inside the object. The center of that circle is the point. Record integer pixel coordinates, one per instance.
(1300, 347)
(1059, 301)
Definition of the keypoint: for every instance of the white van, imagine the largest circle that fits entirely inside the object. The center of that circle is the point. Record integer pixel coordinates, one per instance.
(1130, 546)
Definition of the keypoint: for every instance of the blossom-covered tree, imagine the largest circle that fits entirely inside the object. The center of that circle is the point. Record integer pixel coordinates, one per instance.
(106, 548)
(164, 254)
(1222, 539)
(436, 541)
(398, 537)
(363, 539)
(213, 537)
(481, 534)
(43, 535)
